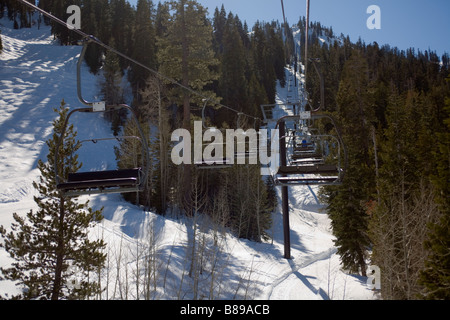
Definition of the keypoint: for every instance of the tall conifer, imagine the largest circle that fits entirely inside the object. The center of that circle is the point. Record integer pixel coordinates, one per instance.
(345, 203)
(51, 246)
(144, 47)
(435, 276)
(185, 54)
(232, 81)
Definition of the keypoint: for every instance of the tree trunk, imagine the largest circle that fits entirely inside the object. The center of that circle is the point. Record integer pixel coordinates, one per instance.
(59, 254)
(186, 105)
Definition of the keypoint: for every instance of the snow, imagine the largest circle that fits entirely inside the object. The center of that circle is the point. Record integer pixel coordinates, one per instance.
(35, 75)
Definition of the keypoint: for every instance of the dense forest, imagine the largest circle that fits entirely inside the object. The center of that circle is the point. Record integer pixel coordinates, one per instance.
(392, 106)
(393, 206)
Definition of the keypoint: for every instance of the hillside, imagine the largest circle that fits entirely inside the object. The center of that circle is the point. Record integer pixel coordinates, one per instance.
(35, 75)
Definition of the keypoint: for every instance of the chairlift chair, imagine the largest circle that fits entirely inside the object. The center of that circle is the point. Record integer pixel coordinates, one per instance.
(307, 164)
(223, 161)
(106, 181)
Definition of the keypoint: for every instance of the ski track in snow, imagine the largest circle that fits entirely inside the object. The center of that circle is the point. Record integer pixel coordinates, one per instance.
(36, 74)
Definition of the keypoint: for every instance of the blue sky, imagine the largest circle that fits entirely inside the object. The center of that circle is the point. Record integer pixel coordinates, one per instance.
(419, 24)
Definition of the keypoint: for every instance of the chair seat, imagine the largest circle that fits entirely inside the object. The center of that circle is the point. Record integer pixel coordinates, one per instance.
(101, 179)
(304, 155)
(308, 169)
(213, 163)
(329, 180)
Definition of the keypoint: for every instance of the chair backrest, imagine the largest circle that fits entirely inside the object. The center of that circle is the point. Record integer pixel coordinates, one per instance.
(104, 175)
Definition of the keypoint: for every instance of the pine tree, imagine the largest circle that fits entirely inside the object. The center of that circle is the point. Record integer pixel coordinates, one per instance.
(277, 51)
(122, 17)
(129, 155)
(262, 62)
(51, 244)
(435, 277)
(16, 10)
(153, 110)
(232, 81)
(161, 17)
(144, 48)
(249, 202)
(111, 89)
(185, 54)
(405, 207)
(96, 21)
(256, 96)
(219, 21)
(61, 32)
(346, 203)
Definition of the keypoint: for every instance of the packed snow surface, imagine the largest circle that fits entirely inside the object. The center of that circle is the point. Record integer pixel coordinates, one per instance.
(36, 73)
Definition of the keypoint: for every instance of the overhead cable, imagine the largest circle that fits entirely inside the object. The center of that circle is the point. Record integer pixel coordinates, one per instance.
(109, 48)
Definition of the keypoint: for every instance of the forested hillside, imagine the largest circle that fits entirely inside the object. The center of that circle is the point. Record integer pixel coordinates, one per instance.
(220, 58)
(392, 106)
(393, 207)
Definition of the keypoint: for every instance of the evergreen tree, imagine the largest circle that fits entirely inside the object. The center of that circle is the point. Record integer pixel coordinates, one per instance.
(267, 57)
(399, 151)
(96, 21)
(185, 54)
(262, 63)
(219, 22)
(45, 243)
(153, 110)
(256, 96)
(405, 207)
(61, 32)
(2, 8)
(129, 155)
(232, 81)
(122, 16)
(435, 276)
(397, 223)
(17, 12)
(144, 47)
(277, 51)
(249, 202)
(161, 17)
(346, 203)
(111, 89)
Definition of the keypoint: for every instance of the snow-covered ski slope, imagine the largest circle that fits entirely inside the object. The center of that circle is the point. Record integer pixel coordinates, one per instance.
(35, 75)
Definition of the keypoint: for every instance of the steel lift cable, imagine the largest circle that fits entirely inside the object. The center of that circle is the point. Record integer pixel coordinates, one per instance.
(109, 48)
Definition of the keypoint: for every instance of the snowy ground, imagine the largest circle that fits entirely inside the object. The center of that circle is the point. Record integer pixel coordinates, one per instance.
(35, 75)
